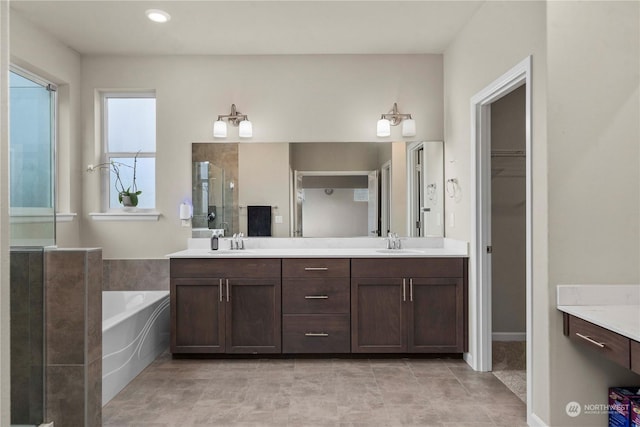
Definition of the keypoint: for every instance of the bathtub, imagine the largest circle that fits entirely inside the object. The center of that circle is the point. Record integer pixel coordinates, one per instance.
(135, 330)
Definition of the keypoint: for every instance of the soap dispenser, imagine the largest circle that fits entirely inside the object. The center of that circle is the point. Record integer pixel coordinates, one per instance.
(214, 241)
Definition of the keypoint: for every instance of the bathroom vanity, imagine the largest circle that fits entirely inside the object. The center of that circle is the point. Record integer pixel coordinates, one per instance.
(319, 300)
(605, 319)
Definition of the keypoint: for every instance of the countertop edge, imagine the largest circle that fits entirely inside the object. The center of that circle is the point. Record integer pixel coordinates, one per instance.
(208, 255)
(587, 313)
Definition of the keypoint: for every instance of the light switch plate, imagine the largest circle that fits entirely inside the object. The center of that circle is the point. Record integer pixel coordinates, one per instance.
(278, 219)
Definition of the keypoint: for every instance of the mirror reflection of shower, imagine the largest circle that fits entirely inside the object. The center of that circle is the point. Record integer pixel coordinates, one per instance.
(213, 199)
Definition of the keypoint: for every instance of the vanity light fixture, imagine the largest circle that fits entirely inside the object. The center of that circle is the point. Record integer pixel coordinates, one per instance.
(236, 118)
(157, 15)
(394, 118)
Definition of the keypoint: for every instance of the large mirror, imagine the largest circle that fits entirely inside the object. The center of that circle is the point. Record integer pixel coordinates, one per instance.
(353, 189)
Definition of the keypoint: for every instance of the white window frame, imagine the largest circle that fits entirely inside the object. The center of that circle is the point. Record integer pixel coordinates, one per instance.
(108, 155)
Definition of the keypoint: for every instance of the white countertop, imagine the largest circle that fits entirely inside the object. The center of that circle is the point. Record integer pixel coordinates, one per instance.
(613, 307)
(325, 248)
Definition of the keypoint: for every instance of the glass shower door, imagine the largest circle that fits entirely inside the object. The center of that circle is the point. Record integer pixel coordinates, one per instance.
(32, 173)
(32, 218)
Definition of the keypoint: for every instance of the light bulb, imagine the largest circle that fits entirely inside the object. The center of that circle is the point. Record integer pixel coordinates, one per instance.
(408, 127)
(246, 129)
(383, 128)
(219, 129)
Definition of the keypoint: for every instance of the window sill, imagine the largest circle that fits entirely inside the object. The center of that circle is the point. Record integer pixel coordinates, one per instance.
(65, 217)
(125, 216)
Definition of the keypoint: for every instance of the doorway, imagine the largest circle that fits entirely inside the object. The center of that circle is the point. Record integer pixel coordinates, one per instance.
(508, 240)
(480, 257)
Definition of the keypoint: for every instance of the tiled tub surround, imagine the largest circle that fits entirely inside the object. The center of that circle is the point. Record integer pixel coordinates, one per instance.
(135, 330)
(73, 281)
(135, 274)
(611, 316)
(27, 335)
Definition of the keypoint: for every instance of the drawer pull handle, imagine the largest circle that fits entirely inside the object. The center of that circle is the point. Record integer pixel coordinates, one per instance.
(316, 334)
(316, 297)
(592, 341)
(316, 268)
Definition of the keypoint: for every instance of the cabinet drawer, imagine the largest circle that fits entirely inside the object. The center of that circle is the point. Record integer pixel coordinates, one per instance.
(407, 267)
(239, 267)
(315, 267)
(315, 296)
(608, 343)
(316, 334)
(635, 356)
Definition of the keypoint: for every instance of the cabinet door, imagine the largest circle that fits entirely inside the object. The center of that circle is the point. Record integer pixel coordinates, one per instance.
(378, 316)
(254, 318)
(435, 316)
(197, 316)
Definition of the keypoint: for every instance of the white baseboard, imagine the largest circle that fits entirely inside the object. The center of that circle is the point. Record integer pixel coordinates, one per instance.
(535, 421)
(509, 336)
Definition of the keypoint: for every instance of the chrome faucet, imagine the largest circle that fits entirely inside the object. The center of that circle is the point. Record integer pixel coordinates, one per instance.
(393, 241)
(236, 241)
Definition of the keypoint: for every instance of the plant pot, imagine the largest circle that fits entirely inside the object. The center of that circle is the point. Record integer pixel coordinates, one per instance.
(126, 201)
(129, 201)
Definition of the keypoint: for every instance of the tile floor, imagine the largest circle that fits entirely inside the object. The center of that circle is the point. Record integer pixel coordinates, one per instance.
(314, 392)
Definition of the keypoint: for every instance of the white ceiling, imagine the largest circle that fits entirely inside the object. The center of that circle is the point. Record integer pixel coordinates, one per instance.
(209, 27)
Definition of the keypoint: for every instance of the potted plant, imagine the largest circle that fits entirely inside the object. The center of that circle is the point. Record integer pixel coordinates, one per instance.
(128, 196)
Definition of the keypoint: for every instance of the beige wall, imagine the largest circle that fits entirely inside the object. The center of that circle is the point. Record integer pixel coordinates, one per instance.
(322, 156)
(37, 52)
(335, 215)
(290, 98)
(264, 180)
(508, 231)
(594, 180)
(398, 220)
(5, 371)
(499, 36)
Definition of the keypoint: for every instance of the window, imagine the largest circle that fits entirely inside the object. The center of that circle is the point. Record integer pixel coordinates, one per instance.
(130, 132)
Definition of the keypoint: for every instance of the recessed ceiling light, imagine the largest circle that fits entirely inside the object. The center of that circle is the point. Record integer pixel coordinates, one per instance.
(157, 15)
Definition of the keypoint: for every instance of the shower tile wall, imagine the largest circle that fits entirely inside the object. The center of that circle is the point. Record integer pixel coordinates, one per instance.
(73, 280)
(135, 274)
(27, 336)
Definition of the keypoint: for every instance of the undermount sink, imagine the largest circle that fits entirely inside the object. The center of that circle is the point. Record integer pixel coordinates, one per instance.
(397, 251)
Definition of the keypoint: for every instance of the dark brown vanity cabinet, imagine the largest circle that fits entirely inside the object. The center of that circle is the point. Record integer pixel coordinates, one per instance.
(408, 305)
(225, 305)
(315, 305)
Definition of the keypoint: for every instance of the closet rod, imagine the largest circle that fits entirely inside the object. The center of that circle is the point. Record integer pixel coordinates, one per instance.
(508, 153)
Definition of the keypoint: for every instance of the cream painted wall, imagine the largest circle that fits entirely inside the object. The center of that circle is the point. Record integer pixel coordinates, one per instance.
(37, 52)
(499, 36)
(263, 171)
(336, 215)
(5, 318)
(331, 98)
(508, 215)
(398, 220)
(361, 156)
(594, 180)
